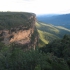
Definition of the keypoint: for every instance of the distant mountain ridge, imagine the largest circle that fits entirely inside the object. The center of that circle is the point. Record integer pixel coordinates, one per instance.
(58, 20)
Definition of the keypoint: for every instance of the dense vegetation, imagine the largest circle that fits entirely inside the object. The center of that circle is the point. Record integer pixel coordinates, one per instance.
(58, 20)
(14, 19)
(59, 48)
(54, 56)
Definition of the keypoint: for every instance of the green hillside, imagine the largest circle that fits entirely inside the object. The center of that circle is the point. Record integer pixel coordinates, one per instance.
(49, 32)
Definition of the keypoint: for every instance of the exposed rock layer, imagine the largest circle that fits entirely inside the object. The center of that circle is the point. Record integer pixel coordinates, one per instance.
(23, 34)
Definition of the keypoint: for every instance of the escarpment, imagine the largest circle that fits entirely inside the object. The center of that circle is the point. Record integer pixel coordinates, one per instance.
(18, 28)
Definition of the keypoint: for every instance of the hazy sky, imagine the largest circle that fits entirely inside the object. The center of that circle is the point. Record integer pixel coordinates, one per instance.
(36, 6)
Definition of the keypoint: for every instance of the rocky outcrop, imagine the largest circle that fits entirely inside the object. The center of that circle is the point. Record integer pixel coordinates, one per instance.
(25, 34)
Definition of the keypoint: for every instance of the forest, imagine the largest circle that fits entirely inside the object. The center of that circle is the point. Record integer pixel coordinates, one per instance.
(53, 56)
(14, 19)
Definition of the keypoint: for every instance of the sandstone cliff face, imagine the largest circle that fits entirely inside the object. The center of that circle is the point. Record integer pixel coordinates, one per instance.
(25, 35)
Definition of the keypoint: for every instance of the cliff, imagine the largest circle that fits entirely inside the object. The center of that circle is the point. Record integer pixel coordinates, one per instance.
(18, 28)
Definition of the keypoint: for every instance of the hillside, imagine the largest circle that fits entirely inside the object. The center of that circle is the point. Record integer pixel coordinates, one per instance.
(58, 20)
(19, 49)
(18, 28)
(49, 32)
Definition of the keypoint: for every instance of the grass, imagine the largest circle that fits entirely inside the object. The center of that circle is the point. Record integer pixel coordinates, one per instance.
(42, 36)
(46, 37)
(47, 27)
(49, 32)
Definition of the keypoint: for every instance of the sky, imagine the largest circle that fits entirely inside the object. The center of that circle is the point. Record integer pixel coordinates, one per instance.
(36, 6)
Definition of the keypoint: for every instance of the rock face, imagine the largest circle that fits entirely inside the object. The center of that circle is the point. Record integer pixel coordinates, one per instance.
(23, 33)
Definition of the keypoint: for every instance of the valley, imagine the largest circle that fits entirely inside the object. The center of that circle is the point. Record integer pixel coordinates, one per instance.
(49, 32)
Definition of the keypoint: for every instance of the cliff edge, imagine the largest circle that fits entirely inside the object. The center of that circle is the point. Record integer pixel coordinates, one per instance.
(18, 28)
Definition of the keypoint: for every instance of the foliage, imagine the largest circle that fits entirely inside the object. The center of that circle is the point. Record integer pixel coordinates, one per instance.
(59, 48)
(9, 20)
(46, 58)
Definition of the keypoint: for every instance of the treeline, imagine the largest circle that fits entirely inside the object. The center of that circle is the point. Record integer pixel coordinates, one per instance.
(54, 56)
(14, 19)
(59, 48)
